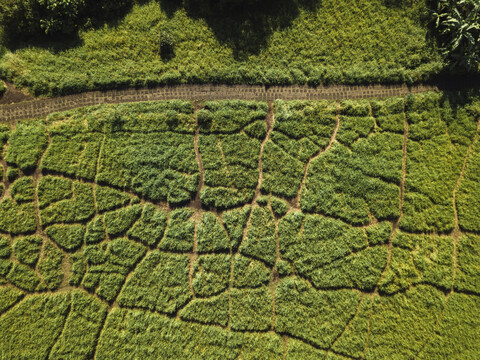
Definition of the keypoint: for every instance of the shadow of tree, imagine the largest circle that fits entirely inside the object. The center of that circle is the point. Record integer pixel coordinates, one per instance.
(95, 15)
(244, 25)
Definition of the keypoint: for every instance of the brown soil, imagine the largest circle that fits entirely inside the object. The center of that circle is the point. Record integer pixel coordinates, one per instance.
(14, 95)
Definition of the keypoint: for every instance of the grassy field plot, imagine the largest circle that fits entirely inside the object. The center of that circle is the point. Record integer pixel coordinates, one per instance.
(243, 230)
(279, 43)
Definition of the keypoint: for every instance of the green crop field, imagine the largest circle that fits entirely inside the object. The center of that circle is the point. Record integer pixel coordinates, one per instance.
(243, 230)
(282, 42)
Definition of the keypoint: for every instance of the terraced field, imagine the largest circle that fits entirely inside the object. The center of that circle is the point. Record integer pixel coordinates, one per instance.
(243, 230)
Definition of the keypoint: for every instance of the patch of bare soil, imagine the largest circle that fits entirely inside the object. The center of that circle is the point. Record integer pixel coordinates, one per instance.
(14, 95)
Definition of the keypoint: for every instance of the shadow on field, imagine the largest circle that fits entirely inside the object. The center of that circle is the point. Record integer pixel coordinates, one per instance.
(243, 25)
(27, 32)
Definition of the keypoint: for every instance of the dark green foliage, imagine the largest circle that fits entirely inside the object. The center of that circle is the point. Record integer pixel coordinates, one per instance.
(160, 337)
(160, 282)
(179, 235)
(26, 144)
(230, 116)
(408, 317)
(312, 249)
(257, 130)
(23, 277)
(251, 309)
(73, 154)
(68, 237)
(282, 174)
(30, 329)
(262, 200)
(355, 121)
(9, 296)
(109, 264)
(353, 128)
(17, 218)
(50, 266)
(213, 310)
(211, 274)
(279, 206)
(361, 270)
(2, 88)
(150, 228)
(249, 273)
(314, 316)
(119, 221)
(79, 207)
(159, 166)
(78, 269)
(235, 222)
(260, 242)
(468, 195)
(5, 266)
(231, 168)
(53, 189)
(458, 30)
(297, 349)
(23, 190)
(437, 145)
(468, 275)
(284, 268)
(82, 328)
(389, 114)
(346, 183)
(419, 259)
(449, 343)
(95, 231)
(211, 235)
(108, 198)
(353, 341)
(380, 233)
(27, 249)
(224, 198)
(12, 174)
(141, 117)
(5, 247)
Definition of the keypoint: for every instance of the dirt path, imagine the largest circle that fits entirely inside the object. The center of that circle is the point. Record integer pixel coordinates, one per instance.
(25, 106)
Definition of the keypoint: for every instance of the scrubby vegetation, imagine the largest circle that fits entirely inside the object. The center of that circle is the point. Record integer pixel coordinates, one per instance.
(163, 230)
(267, 42)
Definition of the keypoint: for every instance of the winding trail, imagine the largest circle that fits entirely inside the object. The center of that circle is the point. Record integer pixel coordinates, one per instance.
(41, 107)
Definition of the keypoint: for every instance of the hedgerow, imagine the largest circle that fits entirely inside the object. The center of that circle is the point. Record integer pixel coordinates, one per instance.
(337, 271)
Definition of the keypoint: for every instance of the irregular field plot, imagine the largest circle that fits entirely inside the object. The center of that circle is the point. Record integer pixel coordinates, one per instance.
(296, 230)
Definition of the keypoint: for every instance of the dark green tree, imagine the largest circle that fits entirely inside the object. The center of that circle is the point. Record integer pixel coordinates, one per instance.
(458, 26)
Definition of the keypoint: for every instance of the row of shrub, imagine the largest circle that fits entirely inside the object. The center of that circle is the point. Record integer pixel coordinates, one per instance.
(65, 84)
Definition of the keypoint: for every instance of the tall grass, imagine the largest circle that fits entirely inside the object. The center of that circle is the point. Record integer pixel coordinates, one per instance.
(339, 42)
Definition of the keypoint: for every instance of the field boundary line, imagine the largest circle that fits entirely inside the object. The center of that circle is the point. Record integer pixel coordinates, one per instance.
(42, 107)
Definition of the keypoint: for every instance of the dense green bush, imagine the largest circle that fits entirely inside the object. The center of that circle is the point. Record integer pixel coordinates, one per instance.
(458, 26)
(23, 18)
(27, 144)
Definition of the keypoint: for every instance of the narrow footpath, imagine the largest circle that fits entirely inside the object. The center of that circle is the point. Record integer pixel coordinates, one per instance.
(41, 107)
